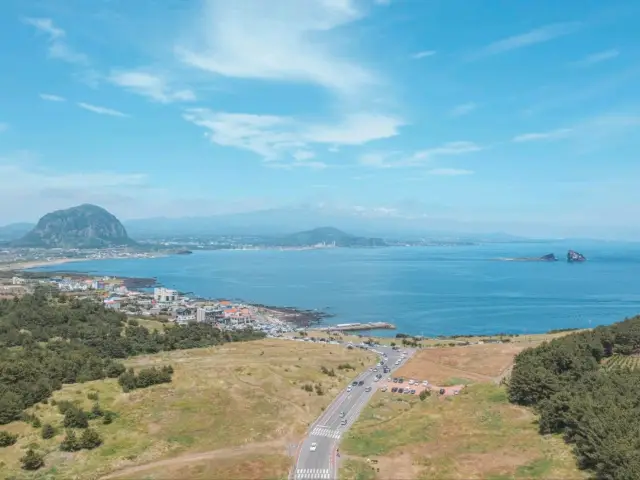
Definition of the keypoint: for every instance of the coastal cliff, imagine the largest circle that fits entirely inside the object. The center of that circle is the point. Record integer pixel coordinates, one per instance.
(575, 257)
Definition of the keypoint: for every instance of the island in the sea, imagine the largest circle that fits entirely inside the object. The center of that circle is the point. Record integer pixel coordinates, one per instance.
(549, 257)
(575, 257)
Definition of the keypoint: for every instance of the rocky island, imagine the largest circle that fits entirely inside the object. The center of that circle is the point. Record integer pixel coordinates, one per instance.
(575, 257)
(549, 257)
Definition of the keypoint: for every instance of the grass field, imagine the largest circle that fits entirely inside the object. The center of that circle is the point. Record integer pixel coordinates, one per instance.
(476, 435)
(231, 412)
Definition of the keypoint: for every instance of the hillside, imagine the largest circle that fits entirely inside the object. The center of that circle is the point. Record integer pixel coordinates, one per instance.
(14, 231)
(84, 226)
(328, 235)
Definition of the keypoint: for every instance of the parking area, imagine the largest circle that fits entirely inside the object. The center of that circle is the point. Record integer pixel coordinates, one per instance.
(410, 386)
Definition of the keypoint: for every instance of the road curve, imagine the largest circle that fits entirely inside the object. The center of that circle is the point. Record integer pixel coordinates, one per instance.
(326, 431)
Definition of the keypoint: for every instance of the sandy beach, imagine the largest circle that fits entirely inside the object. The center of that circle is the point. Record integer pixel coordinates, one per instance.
(39, 263)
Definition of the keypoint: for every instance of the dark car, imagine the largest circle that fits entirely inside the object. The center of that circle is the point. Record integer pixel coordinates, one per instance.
(401, 380)
(442, 391)
(395, 380)
(361, 382)
(400, 390)
(413, 392)
(355, 384)
(394, 389)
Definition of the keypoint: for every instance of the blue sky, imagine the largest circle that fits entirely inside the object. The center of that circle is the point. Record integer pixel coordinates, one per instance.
(498, 113)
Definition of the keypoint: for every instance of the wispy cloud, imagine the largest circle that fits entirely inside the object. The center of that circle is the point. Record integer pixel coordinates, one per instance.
(450, 172)
(423, 54)
(274, 137)
(420, 158)
(533, 37)
(3, 127)
(153, 86)
(101, 110)
(52, 98)
(278, 40)
(542, 136)
(58, 47)
(463, 109)
(596, 58)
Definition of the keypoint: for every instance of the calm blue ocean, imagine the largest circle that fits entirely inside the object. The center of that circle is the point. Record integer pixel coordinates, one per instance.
(430, 291)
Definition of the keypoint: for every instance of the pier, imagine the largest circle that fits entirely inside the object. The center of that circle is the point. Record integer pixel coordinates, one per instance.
(346, 327)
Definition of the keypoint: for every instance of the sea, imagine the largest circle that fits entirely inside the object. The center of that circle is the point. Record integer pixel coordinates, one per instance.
(440, 290)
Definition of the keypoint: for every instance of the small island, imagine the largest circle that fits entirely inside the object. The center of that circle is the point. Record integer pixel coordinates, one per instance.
(575, 257)
(549, 257)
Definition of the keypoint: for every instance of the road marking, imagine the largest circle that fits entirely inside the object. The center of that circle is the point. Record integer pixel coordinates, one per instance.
(312, 473)
(325, 432)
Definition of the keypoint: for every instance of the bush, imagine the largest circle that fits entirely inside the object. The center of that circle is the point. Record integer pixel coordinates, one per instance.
(70, 442)
(90, 439)
(307, 387)
(75, 418)
(108, 417)
(7, 439)
(48, 431)
(32, 460)
(92, 396)
(64, 405)
(424, 394)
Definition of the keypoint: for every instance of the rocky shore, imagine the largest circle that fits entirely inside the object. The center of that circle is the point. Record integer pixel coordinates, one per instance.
(295, 316)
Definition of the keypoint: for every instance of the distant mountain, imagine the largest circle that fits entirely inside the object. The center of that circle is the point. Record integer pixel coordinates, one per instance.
(327, 235)
(84, 226)
(14, 231)
(279, 221)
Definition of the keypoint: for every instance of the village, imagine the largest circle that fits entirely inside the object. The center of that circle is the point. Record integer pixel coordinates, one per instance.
(159, 303)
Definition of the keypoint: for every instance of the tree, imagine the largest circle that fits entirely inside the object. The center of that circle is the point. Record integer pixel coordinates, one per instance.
(7, 439)
(32, 460)
(90, 439)
(10, 407)
(75, 418)
(48, 431)
(70, 442)
(424, 394)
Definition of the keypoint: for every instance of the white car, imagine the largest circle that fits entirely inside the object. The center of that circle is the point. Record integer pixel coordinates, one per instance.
(410, 382)
(348, 389)
(313, 447)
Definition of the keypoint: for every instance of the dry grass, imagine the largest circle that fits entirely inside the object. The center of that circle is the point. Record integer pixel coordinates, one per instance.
(224, 397)
(476, 435)
(473, 363)
(152, 325)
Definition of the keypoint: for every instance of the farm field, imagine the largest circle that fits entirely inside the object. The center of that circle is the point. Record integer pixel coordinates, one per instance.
(234, 411)
(621, 361)
(475, 435)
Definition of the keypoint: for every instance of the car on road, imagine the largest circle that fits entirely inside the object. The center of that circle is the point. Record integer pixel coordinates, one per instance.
(313, 447)
(348, 389)
(343, 422)
(375, 369)
(442, 391)
(368, 389)
(342, 414)
(354, 384)
(361, 382)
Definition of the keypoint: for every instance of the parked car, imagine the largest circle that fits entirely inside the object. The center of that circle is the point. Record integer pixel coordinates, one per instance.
(313, 447)
(395, 380)
(413, 392)
(394, 389)
(384, 389)
(442, 391)
(401, 380)
(400, 390)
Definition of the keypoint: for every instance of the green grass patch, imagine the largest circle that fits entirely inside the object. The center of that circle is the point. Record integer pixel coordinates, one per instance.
(352, 469)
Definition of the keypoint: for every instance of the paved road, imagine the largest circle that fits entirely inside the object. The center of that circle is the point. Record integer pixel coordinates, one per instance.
(327, 430)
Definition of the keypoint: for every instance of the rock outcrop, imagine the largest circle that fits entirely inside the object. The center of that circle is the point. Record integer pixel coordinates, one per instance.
(84, 226)
(573, 256)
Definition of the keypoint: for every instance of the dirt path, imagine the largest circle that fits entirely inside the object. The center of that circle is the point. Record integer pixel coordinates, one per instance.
(262, 447)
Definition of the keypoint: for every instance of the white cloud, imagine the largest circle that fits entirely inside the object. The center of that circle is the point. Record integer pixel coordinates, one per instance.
(279, 40)
(540, 136)
(58, 48)
(273, 137)
(302, 155)
(150, 85)
(463, 109)
(596, 58)
(533, 37)
(423, 54)
(419, 158)
(450, 172)
(52, 98)
(101, 110)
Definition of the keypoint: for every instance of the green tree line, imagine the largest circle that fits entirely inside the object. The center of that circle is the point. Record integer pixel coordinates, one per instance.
(45, 343)
(597, 410)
